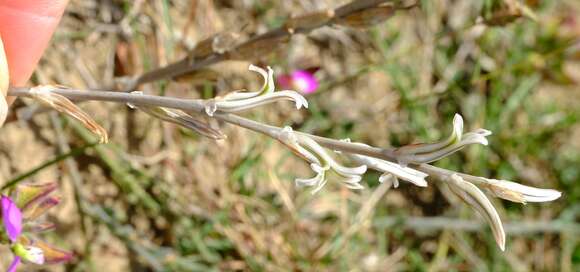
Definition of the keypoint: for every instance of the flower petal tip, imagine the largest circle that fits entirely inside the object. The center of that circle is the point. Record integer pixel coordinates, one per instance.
(520, 193)
(422, 183)
(458, 124)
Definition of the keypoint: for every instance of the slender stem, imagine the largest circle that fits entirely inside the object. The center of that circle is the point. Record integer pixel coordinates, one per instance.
(32, 172)
(197, 106)
(181, 67)
(423, 224)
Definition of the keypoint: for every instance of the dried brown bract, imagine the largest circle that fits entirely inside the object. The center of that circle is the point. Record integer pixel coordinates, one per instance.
(60, 103)
(199, 77)
(512, 11)
(218, 43)
(256, 48)
(367, 17)
(181, 118)
(310, 20)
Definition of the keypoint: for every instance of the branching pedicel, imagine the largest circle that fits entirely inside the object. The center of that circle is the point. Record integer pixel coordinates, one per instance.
(407, 163)
(320, 161)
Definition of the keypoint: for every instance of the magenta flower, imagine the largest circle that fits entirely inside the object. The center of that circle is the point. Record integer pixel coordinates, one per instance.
(19, 216)
(12, 221)
(11, 218)
(299, 80)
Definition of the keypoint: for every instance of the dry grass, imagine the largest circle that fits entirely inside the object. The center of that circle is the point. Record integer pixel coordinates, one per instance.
(160, 198)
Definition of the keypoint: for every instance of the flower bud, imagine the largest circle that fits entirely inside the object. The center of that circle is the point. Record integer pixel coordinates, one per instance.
(29, 253)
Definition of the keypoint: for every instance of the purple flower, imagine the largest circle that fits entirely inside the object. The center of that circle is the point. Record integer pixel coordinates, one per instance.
(300, 80)
(14, 264)
(11, 218)
(29, 202)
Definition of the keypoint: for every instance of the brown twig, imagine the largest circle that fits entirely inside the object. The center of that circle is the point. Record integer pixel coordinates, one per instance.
(251, 46)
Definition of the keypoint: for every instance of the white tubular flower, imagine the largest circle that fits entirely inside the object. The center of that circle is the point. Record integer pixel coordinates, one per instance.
(239, 101)
(520, 193)
(425, 153)
(319, 180)
(475, 198)
(320, 162)
(405, 173)
(398, 171)
(388, 176)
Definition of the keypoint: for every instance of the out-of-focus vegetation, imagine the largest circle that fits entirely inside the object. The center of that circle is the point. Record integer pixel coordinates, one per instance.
(158, 197)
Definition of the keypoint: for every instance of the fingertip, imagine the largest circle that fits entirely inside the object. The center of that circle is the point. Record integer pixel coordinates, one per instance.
(26, 27)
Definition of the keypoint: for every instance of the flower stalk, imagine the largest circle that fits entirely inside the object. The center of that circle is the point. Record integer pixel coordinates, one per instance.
(320, 162)
(407, 163)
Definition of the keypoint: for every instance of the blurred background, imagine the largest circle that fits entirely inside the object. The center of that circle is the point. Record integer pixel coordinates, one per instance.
(161, 198)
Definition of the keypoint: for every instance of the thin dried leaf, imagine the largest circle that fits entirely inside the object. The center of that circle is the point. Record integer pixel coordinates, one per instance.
(308, 21)
(183, 119)
(257, 48)
(60, 103)
(202, 48)
(224, 42)
(218, 43)
(475, 198)
(503, 17)
(198, 126)
(368, 17)
(199, 76)
(508, 14)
